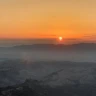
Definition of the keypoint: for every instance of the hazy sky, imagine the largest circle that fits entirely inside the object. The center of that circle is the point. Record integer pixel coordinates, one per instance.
(48, 18)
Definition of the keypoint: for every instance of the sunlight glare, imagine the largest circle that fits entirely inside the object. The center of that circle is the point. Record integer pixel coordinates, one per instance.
(60, 38)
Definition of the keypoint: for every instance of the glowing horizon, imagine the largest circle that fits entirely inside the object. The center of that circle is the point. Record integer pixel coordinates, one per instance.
(21, 19)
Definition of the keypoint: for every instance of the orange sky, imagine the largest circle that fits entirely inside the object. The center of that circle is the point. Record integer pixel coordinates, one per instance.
(48, 19)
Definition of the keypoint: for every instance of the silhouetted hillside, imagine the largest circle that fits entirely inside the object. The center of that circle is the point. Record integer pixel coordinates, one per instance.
(34, 88)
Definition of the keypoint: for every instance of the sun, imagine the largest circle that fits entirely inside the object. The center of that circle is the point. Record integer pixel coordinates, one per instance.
(60, 38)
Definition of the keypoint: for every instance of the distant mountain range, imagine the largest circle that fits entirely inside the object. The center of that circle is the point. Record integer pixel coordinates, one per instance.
(79, 46)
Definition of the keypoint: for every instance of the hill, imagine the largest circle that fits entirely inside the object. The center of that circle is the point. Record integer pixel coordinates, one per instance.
(79, 46)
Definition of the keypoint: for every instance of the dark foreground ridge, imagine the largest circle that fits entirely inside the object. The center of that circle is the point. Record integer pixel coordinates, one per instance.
(36, 88)
(80, 78)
